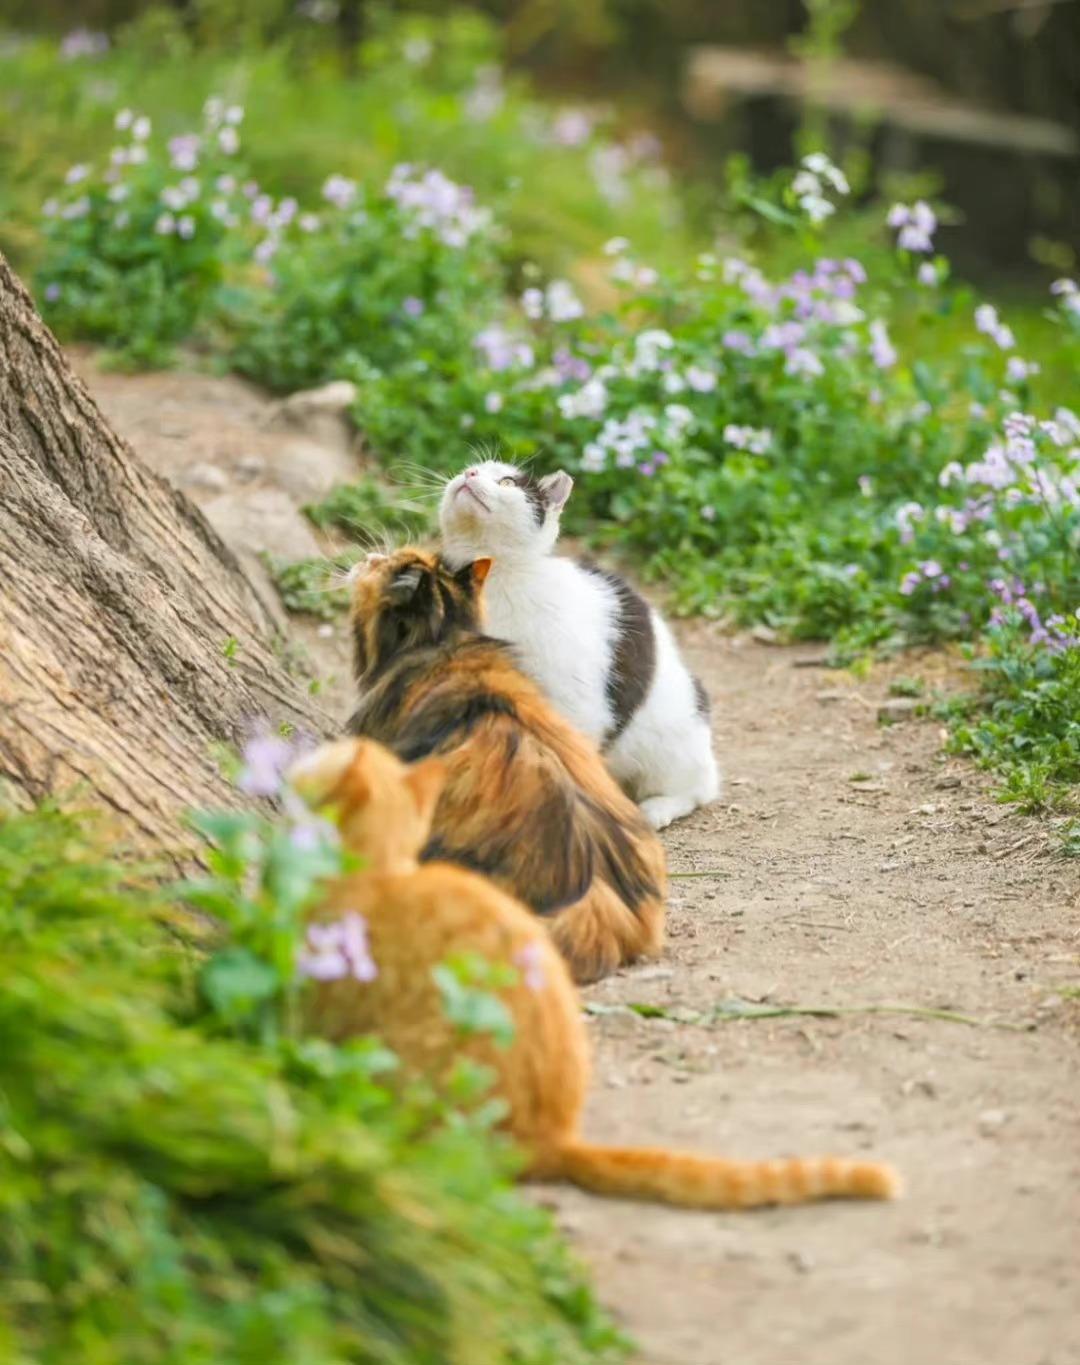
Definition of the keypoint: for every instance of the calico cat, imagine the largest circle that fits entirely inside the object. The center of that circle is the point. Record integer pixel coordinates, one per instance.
(603, 656)
(416, 916)
(527, 800)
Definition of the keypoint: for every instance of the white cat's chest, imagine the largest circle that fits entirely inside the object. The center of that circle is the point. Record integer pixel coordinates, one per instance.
(561, 621)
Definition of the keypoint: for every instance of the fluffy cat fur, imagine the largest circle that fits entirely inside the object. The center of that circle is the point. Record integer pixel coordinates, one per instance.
(604, 657)
(527, 800)
(418, 915)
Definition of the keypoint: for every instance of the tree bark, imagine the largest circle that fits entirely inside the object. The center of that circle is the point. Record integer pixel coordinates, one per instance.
(117, 606)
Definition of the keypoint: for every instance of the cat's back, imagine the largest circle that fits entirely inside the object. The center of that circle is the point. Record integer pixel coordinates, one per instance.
(420, 919)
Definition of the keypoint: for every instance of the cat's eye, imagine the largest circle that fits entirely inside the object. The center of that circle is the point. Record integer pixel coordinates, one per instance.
(508, 482)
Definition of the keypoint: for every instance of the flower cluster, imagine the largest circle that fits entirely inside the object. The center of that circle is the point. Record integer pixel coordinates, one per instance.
(816, 177)
(432, 201)
(915, 225)
(337, 950)
(557, 303)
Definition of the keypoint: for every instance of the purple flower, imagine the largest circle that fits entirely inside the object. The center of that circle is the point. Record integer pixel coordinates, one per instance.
(571, 127)
(648, 469)
(700, 379)
(76, 174)
(738, 342)
(530, 959)
(265, 759)
(52, 292)
(184, 151)
(83, 42)
(909, 583)
(882, 351)
(185, 227)
(337, 950)
(917, 225)
(570, 367)
(412, 308)
(804, 362)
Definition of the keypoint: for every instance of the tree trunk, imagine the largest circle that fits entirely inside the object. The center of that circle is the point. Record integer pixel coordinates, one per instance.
(130, 639)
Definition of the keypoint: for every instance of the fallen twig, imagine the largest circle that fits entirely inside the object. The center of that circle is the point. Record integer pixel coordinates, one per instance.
(745, 1009)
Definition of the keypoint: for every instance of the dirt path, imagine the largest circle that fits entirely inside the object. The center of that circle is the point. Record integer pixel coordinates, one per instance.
(908, 886)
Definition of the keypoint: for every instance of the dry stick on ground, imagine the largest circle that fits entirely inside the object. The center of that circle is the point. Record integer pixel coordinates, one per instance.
(117, 603)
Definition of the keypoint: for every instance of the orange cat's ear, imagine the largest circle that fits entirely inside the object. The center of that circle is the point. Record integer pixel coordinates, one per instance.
(480, 570)
(319, 776)
(426, 780)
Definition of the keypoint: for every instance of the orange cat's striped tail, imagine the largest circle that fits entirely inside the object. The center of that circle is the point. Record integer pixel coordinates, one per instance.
(699, 1182)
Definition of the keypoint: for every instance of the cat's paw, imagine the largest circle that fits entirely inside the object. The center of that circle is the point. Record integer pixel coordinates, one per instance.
(659, 811)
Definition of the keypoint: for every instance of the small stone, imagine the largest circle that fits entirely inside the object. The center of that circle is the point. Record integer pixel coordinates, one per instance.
(895, 709)
(653, 974)
(764, 635)
(949, 782)
(325, 631)
(928, 809)
(206, 476)
(991, 1122)
(802, 1261)
(335, 397)
(826, 697)
(249, 467)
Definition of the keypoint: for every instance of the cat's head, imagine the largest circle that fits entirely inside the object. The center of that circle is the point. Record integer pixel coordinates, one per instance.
(500, 509)
(383, 808)
(410, 600)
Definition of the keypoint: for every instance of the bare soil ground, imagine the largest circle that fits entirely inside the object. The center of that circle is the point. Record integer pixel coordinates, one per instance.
(848, 865)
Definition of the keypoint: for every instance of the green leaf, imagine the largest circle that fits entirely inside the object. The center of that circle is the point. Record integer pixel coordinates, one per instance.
(234, 980)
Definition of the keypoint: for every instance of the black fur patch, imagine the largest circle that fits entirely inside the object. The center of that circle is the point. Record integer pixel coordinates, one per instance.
(633, 661)
(535, 494)
(701, 699)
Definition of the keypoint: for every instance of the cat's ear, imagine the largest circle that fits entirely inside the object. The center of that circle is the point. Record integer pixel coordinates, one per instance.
(473, 576)
(402, 588)
(426, 780)
(556, 489)
(318, 776)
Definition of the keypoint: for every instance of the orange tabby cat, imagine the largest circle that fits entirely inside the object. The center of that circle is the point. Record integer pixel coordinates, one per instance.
(417, 915)
(527, 801)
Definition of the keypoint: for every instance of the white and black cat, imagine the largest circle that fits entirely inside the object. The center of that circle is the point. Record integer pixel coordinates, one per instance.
(604, 657)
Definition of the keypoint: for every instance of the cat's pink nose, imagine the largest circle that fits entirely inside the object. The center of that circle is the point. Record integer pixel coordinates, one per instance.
(471, 473)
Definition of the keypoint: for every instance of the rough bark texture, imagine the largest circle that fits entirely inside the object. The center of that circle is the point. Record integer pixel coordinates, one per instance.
(117, 601)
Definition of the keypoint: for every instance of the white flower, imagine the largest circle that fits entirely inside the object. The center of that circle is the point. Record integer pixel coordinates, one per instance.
(308, 222)
(122, 219)
(645, 277)
(136, 155)
(1017, 370)
(700, 379)
(213, 110)
(623, 270)
(76, 174)
(123, 120)
(493, 402)
(50, 208)
(927, 274)
(563, 305)
(141, 129)
(593, 458)
(533, 303)
(589, 401)
(234, 114)
(79, 209)
(118, 193)
(165, 225)
(185, 227)
(616, 246)
(229, 140)
(673, 383)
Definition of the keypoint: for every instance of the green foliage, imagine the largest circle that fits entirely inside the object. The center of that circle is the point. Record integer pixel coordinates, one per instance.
(186, 1178)
(368, 512)
(1024, 724)
(311, 586)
